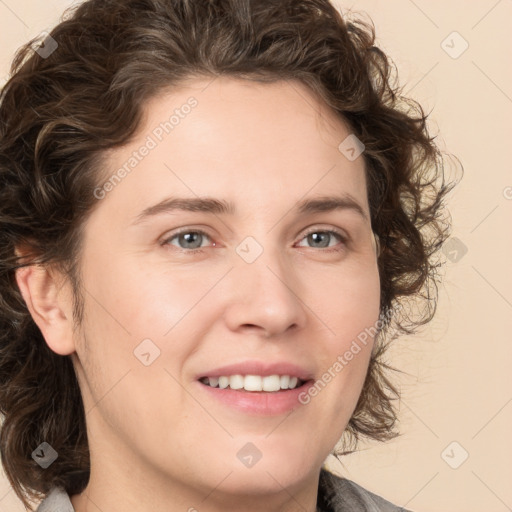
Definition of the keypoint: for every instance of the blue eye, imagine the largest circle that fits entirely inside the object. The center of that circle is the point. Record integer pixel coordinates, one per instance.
(191, 240)
(323, 237)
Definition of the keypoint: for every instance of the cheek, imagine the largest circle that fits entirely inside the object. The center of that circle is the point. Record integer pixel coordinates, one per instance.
(127, 314)
(138, 314)
(350, 309)
(138, 299)
(347, 299)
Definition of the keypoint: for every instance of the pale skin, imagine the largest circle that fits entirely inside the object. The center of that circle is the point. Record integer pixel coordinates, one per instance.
(157, 442)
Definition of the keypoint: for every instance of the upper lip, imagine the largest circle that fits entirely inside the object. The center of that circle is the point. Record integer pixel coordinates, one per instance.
(259, 368)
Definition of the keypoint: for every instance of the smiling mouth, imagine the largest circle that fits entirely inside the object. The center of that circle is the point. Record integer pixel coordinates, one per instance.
(254, 383)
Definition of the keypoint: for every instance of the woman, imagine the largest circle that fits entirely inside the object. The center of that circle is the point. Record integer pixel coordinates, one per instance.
(139, 372)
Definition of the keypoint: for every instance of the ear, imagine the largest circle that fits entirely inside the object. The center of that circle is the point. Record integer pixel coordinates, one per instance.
(49, 304)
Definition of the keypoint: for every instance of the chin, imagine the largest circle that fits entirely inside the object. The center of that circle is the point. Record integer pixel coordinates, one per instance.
(260, 480)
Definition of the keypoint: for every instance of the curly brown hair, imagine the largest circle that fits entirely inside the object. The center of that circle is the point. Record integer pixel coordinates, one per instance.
(59, 114)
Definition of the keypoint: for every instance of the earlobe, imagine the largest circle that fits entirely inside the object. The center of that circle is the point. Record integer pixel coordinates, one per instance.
(48, 308)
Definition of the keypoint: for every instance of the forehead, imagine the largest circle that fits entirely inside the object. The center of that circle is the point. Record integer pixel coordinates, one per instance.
(240, 139)
(244, 110)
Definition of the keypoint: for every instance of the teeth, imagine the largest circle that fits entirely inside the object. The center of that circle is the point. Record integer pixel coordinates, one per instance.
(235, 382)
(253, 382)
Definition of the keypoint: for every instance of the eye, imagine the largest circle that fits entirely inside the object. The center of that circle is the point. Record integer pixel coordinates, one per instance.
(188, 239)
(321, 238)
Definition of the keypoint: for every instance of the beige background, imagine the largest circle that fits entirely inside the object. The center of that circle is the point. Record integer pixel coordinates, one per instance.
(458, 386)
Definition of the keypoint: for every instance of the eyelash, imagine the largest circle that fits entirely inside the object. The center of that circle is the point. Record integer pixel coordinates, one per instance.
(339, 234)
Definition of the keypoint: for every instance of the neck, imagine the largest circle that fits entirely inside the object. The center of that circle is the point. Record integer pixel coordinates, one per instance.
(123, 480)
(107, 494)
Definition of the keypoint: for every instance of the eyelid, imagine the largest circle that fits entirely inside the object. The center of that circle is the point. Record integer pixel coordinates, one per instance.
(328, 229)
(173, 234)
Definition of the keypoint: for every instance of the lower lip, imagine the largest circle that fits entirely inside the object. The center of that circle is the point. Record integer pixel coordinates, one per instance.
(263, 403)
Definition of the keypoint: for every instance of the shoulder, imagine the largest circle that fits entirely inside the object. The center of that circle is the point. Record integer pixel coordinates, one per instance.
(337, 494)
(57, 500)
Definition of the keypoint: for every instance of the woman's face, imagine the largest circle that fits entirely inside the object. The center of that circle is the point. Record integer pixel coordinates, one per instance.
(266, 283)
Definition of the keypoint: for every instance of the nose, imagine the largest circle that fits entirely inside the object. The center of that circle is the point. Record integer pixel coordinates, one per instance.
(265, 296)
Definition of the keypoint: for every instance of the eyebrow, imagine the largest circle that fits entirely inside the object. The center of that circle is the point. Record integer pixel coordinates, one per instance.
(223, 207)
